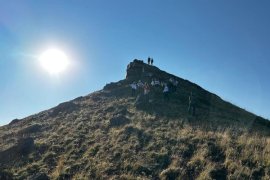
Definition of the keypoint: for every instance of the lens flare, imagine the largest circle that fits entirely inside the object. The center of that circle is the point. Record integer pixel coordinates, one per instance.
(54, 61)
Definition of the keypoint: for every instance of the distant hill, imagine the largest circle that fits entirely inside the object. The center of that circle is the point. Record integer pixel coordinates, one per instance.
(112, 134)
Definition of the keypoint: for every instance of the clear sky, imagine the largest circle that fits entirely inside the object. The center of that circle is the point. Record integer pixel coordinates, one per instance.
(222, 45)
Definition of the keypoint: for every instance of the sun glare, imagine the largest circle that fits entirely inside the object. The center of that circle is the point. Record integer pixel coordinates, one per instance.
(54, 61)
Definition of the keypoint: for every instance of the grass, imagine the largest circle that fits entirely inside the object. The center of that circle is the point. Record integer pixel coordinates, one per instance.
(156, 141)
(149, 146)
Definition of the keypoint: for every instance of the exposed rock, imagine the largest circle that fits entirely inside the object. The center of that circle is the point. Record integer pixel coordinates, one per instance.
(139, 70)
(111, 86)
(135, 69)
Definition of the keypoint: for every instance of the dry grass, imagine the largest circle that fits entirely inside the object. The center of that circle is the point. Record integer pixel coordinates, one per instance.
(158, 142)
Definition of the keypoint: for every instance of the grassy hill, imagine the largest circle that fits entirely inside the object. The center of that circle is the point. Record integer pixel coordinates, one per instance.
(111, 134)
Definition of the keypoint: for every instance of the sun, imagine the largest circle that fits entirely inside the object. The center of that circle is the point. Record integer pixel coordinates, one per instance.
(54, 61)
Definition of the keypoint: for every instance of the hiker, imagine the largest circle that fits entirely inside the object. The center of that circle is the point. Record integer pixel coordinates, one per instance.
(140, 84)
(146, 91)
(175, 82)
(191, 105)
(156, 82)
(170, 86)
(166, 92)
(174, 87)
(133, 88)
(162, 83)
(152, 61)
(143, 72)
(146, 88)
(153, 82)
(148, 60)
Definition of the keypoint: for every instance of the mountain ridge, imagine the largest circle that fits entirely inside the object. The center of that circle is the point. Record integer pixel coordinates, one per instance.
(111, 134)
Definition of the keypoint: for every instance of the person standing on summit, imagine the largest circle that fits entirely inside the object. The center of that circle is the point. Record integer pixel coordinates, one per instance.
(148, 60)
(152, 61)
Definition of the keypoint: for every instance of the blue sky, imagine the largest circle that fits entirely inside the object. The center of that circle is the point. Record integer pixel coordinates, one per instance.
(224, 46)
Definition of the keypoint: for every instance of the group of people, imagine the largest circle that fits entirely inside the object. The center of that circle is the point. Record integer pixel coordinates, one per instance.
(168, 88)
(150, 61)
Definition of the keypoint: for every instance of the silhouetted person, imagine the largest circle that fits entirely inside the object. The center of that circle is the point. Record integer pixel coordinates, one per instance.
(175, 84)
(148, 60)
(152, 61)
(191, 105)
(133, 88)
(146, 92)
(166, 92)
(146, 88)
(140, 84)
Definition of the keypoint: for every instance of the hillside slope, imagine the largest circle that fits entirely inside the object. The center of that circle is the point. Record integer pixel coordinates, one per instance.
(111, 135)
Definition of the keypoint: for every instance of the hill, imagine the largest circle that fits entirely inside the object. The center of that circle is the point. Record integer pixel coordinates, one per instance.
(111, 134)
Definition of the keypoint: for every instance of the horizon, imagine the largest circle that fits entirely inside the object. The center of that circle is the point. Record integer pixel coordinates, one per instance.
(221, 46)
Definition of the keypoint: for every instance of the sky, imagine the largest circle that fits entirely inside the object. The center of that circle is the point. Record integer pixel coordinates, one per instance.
(221, 45)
